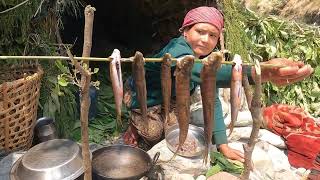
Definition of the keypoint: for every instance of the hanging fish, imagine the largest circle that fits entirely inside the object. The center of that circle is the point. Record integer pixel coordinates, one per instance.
(208, 95)
(182, 76)
(140, 83)
(117, 84)
(236, 90)
(166, 87)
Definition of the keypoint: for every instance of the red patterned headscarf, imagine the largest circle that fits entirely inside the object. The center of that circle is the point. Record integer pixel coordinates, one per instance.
(203, 14)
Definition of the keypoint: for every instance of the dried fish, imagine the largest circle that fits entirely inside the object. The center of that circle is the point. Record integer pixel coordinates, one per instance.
(236, 90)
(116, 80)
(182, 76)
(140, 83)
(208, 95)
(166, 87)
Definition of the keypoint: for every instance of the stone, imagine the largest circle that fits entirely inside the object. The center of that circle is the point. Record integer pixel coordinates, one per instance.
(269, 162)
(243, 134)
(301, 171)
(201, 177)
(182, 177)
(223, 176)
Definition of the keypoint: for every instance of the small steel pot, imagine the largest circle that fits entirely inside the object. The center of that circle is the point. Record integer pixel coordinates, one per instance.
(172, 139)
(121, 162)
(45, 129)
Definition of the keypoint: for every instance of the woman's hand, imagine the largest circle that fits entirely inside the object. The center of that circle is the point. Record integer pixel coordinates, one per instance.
(231, 153)
(294, 71)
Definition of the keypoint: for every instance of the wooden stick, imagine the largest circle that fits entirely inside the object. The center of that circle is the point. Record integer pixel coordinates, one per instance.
(257, 120)
(85, 85)
(84, 109)
(130, 59)
(87, 34)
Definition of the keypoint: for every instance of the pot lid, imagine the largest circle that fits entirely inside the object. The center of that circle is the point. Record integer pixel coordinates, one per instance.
(58, 159)
(50, 154)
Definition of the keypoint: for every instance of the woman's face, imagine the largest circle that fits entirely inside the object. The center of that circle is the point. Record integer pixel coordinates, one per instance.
(202, 37)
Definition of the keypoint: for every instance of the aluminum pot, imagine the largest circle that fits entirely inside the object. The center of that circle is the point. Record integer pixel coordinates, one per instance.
(58, 159)
(194, 133)
(121, 162)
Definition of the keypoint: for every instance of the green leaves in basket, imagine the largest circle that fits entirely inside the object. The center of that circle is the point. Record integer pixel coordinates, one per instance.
(220, 163)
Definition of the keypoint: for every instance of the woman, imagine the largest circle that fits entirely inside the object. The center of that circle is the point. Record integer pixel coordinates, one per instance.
(200, 34)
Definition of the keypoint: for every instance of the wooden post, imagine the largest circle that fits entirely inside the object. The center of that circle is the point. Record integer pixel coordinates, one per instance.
(85, 85)
(87, 33)
(257, 119)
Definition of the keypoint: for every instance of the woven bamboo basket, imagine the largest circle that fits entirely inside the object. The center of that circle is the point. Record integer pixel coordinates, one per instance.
(19, 96)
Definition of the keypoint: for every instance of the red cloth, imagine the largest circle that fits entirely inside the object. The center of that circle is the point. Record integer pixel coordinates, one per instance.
(203, 14)
(299, 129)
(284, 119)
(303, 149)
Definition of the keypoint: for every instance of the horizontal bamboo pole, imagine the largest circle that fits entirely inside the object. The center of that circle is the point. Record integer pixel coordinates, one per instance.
(130, 59)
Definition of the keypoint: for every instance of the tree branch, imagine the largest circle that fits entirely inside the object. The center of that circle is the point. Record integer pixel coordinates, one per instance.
(88, 27)
(257, 119)
(85, 85)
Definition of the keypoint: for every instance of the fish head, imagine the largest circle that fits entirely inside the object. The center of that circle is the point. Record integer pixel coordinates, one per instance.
(238, 62)
(166, 60)
(138, 60)
(214, 58)
(116, 55)
(185, 63)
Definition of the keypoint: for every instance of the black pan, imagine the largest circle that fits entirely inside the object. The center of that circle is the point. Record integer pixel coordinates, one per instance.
(121, 162)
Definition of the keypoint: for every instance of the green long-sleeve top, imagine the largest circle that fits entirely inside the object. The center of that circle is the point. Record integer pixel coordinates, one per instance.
(178, 47)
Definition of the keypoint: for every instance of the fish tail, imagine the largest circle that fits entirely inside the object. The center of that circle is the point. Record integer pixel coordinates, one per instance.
(175, 153)
(165, 124)
(230, 129)
(233, 120)
(205, 155)
(119, 120)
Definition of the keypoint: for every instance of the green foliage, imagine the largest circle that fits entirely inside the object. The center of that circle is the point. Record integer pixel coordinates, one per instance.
(220, 163)
(264, 38)
(273, 38)
(29, 30)
(58, 101)
(236, 40)
(19, 17)
(104, 125)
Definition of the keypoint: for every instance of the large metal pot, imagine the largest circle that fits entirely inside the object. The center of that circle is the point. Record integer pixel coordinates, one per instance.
(58, 159)
(121, 162)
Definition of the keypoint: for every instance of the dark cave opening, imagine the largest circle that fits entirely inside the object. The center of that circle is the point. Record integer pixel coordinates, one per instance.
(139, 25)
(117, 24)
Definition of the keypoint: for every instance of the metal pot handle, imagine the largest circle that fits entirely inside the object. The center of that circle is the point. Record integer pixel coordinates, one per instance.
(151, 174)
(155, 158)
(43, 121)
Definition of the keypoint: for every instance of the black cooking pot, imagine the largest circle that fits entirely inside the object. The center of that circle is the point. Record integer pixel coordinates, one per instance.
(121, 162)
